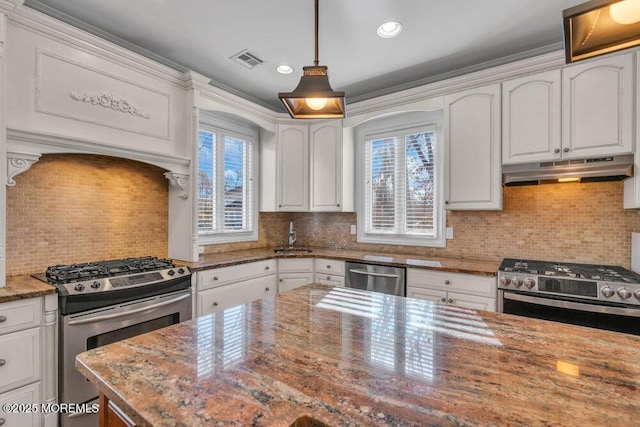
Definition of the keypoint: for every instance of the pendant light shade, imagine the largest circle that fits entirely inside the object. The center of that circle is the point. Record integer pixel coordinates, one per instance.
(314, 98)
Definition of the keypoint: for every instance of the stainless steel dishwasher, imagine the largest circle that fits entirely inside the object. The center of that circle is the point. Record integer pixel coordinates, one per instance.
(376, 278)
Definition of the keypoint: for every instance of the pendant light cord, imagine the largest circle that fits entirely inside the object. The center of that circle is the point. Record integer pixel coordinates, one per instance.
(316, 62)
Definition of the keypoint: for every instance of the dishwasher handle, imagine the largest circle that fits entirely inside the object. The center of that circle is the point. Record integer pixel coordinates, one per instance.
(370, 273)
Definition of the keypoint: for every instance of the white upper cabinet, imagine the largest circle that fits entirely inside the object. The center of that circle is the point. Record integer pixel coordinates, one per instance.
(531, 118)
(326, 166)
(597, 107)
(293, 168)
(472, 147)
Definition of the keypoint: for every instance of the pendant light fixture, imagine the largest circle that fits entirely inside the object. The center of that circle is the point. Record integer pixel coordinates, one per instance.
(314, 98)
(600, 26)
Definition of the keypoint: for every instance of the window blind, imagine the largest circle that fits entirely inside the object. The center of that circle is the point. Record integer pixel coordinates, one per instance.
(206, 182)
(238, 209)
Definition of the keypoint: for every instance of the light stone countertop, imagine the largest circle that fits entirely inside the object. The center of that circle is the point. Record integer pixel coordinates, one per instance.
(349, 357)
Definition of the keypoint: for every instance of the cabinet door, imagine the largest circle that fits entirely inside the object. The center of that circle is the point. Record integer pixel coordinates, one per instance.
(597, 107)
(293, 168)
(471, 301)
(293, 280)
(223, 297)
(426, 294)
(531, 118)
(27, 395)
(325, 141)
(473, 167)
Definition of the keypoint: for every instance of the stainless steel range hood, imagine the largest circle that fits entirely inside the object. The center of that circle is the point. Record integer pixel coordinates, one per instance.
(584, 170)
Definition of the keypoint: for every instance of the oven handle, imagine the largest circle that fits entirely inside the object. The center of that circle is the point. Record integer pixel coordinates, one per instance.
(369, 273)
(127, 313)
(593, 308)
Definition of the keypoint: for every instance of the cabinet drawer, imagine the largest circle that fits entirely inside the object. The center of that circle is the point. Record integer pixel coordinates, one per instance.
(27, 395)
(236, 273)
(426, 294)
(453, 282)
(329, 279)
(472, 301)
(19, 315)
(330, 266)
(20, 358)
(223, 297)
(295, 265)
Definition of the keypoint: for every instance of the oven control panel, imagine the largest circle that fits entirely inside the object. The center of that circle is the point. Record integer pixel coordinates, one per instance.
(106, 284)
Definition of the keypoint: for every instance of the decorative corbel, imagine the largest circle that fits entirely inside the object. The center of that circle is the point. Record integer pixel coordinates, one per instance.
(18, 163)
(179, 180)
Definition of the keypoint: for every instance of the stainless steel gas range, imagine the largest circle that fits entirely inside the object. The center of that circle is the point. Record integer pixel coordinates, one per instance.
(107, 301)
(599, 296)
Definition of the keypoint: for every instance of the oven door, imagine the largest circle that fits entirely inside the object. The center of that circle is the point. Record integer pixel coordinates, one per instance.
(85, 331)
(595, 315)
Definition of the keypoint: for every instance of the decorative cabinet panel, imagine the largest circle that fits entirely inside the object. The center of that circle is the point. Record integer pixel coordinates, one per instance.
(326, 167)
(293, 168)
(473, 149)
(531, 129)
(597, 107)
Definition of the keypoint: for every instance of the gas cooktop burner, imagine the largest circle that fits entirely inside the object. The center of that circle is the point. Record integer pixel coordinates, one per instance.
(60, 274)
(606, 273)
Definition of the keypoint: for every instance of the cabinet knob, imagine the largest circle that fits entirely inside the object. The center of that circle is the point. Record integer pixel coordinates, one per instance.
(447, 282)
(266, 289)
(3, 362)
(328, 277)
(215, 303)
(2, 421)
(566, 149)
(3, 319)
(328, 266)
(557, 150)
(279, 206)
(450, 300)
(446, 202)
(267, 267)
(215, 277)
(280, 280)
(443, 299)
(338, 205)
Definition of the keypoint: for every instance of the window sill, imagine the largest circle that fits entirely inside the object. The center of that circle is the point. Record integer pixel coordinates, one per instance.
(402, 240)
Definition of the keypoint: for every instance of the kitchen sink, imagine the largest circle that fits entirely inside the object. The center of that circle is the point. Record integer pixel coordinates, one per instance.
(307, 421)
(292, 251)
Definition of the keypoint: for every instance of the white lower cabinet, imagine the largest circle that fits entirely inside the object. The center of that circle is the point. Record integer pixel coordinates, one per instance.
(223, 297)
(294, 272)
(329, 272)
(27, 395)
(27, 360)
(221, 288)
(462, 290)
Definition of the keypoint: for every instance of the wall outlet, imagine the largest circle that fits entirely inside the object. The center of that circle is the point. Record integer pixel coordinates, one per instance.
(353, 229)
(200, 249)
(449, 233)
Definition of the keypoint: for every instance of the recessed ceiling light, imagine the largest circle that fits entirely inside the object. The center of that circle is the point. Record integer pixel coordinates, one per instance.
(284, 69)
(389, 29)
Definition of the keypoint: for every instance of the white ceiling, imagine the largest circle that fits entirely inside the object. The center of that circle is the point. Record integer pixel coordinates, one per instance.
(439, 38)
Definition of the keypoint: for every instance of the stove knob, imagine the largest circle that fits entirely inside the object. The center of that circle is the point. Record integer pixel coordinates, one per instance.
(79, 287)
(608, 291)
(95, 285)
(637, 294)
(505, 280)
(181, 270)
(517, 282)
(171, 272)
(529, 282)
(624, 293)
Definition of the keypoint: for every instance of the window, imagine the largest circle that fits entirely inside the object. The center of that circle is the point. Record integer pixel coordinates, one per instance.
(400, 182)
(227, 188)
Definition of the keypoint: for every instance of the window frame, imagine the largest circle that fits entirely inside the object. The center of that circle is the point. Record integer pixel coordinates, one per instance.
(226, 127)
(398, 126)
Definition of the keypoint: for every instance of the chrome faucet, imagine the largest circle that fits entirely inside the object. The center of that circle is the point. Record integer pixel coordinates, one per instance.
(292, 235)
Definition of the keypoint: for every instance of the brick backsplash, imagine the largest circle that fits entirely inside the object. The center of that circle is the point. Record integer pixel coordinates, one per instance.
(76, 208)
(558, 222)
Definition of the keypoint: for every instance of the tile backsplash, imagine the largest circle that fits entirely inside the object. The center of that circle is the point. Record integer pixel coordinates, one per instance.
(75, 208)
(558, 222)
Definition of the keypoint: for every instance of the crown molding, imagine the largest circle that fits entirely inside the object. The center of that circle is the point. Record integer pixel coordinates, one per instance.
(22, 141)
(10, 5)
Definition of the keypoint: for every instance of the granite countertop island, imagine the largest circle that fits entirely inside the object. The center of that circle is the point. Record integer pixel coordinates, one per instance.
(347, 357)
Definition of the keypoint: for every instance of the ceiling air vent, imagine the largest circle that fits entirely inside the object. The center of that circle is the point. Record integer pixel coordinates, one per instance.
(246, 58)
